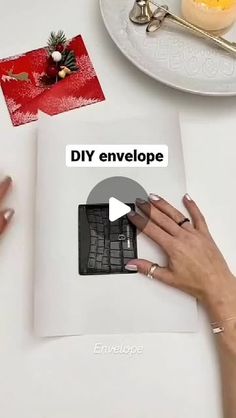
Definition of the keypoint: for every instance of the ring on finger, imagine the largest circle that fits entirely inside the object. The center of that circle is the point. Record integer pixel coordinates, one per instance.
(152, 271)
(185, 220)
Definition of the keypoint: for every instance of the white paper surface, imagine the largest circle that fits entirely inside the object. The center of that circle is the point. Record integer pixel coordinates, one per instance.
(211, 151)
(69, 304)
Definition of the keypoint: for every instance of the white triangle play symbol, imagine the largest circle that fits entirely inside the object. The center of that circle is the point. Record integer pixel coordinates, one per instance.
(117, 209)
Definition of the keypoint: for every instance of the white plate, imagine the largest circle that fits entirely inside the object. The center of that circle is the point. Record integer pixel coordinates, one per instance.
(172, 56)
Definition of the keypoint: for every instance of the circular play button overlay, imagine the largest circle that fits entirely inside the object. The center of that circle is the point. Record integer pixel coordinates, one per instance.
(123, 189)
(114, 198)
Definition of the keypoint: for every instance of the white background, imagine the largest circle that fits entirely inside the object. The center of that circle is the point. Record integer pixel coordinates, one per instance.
(176, 376)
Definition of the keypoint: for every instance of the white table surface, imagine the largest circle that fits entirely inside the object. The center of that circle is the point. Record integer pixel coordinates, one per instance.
(176, 376)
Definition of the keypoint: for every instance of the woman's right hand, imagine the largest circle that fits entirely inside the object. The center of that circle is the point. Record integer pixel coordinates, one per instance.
(195, 264)
(5, 214)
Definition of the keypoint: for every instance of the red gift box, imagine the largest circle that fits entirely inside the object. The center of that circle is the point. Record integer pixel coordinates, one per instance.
(22, 82)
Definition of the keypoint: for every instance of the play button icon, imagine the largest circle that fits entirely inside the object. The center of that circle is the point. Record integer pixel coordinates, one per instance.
(119, 195)
(117, 209)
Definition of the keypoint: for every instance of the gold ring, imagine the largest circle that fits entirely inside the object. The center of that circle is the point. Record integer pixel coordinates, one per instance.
(152, 270)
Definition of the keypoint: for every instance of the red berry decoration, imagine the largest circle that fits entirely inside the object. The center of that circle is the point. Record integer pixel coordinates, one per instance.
(60, 48)
(52, 71)
(50, 61)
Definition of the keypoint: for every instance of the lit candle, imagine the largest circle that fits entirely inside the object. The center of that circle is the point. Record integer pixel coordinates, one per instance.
(212, 15)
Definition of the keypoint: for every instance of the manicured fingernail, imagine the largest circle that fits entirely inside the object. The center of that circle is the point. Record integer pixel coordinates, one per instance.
(140, 201)
(132, 213)
(7, 179)
(131, 267)
(154, 197)
(8, 214)
(188, 197)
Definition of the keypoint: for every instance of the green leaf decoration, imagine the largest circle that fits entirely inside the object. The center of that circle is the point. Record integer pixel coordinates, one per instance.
(69, 60)
(56, 39)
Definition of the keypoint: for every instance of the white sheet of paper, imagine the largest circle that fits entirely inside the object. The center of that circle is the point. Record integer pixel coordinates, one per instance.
(67, 303)
(215, 196)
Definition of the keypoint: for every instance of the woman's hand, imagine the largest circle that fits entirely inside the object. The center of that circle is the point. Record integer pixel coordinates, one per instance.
(5, 214)
(195, 264)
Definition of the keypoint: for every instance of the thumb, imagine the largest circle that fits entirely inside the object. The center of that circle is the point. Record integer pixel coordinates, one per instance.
(143, 266)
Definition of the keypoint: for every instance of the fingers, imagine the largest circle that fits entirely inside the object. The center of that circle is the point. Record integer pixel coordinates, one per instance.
(143, 266)
(5, 218)
(152, 231)
(4, 187)
(195, 213)
(158, 217)
(169, 210)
